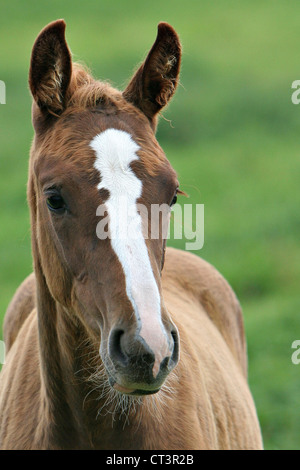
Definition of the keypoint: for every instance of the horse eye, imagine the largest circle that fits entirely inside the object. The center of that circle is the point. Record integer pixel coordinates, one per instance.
(56, 203)
(174, 200)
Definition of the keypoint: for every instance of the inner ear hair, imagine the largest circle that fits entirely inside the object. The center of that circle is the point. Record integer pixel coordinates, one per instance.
(155, 82)
(50, 68)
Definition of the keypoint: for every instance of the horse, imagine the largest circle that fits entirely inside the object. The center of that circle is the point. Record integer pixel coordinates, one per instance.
(115, 342)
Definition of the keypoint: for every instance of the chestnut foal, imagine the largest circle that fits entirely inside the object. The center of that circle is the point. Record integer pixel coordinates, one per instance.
(115, 342)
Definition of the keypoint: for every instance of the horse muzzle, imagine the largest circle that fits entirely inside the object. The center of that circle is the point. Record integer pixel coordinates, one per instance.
(136, 368)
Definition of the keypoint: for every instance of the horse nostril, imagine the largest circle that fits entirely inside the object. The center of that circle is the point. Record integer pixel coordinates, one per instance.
(175, 353)
(115, 348)
(164, 365)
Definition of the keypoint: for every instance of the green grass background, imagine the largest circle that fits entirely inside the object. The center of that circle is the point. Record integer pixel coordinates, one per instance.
(234, 141)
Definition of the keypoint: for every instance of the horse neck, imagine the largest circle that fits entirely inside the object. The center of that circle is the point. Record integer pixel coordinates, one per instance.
(60, 420)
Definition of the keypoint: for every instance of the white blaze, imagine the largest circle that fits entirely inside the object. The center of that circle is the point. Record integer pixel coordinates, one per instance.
(115, 150)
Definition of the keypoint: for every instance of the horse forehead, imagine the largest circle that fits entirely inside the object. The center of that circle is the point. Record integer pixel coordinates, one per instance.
(115, 150)
(76, 148)
(118, 152)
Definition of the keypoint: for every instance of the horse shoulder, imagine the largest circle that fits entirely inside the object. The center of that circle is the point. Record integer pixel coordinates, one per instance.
(18, 310)
(195, 281)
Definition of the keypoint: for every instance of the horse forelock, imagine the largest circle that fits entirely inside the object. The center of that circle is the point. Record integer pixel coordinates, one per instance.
(86, 92)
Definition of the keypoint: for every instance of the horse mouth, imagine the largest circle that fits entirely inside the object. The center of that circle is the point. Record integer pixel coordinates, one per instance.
(132, 391)
(145, 392)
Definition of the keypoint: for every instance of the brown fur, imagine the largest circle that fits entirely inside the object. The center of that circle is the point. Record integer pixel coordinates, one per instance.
(54, 391)
(19, 308)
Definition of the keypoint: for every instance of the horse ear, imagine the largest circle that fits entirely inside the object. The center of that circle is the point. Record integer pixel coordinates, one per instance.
(50, 68)
(155, 81)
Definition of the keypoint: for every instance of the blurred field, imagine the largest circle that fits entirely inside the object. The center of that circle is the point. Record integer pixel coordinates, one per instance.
(234, 141)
